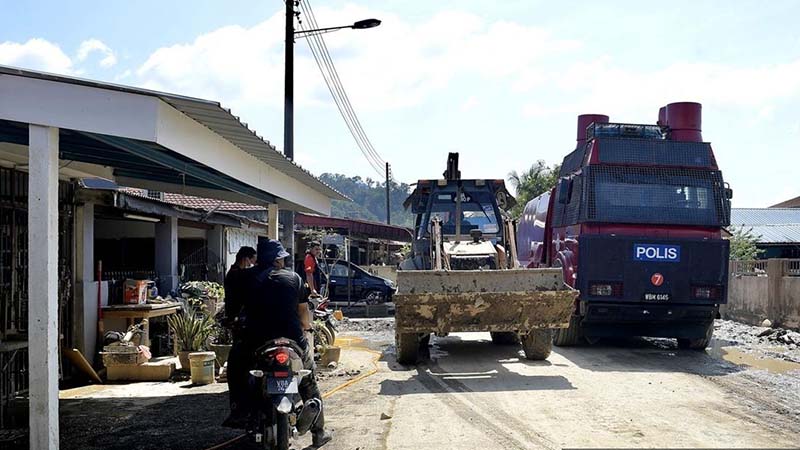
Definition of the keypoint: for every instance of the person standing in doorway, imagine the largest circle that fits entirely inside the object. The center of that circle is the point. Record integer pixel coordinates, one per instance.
(312, 269)
(236, 281)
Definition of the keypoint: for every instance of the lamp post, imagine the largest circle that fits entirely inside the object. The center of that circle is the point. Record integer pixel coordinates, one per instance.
(287, 217)
(288, 103)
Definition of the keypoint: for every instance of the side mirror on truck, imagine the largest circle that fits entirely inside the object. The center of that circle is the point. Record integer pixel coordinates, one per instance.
(728, 193)
(564, 190)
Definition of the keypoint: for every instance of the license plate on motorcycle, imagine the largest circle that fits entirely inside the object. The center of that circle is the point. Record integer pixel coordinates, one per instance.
(282, 385)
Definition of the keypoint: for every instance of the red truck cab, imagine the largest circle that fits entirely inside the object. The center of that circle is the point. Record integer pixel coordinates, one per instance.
(636, 222)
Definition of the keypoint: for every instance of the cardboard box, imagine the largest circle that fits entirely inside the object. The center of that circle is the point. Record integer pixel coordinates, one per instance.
(117, 359)
(135, 292)
(160, 369)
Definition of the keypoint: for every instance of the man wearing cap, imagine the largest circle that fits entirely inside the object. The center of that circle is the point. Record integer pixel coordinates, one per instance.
(277, 307)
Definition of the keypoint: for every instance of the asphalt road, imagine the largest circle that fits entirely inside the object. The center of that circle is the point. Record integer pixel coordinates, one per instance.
(471, 394)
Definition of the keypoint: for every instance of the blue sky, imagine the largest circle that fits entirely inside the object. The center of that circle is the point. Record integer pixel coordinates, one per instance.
(501, 82)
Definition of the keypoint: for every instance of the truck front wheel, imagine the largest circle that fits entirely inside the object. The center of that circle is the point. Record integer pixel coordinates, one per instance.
(699, 343)
(537, 344)
(407, 347)
(567, 337)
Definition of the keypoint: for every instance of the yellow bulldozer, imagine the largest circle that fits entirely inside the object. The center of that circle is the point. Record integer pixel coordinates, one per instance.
(463, 276)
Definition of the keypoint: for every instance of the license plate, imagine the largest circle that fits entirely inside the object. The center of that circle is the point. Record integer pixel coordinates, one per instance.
(282, 385)
(657, 297)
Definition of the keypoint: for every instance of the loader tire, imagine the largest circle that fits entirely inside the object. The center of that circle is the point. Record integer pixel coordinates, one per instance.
(537, 344)
(567, 337)
(407, 348)
(504, 338)
(699, 343)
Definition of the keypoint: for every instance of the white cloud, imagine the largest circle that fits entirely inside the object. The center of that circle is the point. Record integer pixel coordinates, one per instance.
(396, 65)
(470, 103)
(36, 54)
(90, 46)
(620, 91)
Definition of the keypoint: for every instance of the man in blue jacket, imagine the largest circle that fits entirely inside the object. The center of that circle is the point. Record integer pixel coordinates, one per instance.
(277, 307)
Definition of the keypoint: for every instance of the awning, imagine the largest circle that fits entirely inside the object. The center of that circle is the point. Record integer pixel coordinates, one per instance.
(156, 140)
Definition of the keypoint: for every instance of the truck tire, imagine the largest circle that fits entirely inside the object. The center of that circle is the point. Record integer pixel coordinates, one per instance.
(407, 347)
(699, 343)
(537, 344)
(504, 338)
(567, 337)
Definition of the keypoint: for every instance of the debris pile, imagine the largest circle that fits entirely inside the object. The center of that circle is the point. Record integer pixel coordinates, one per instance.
(781, 336)
(375, 325)
(775, 342)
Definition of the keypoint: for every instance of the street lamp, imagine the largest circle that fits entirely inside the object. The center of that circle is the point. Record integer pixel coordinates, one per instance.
(288, 103)
(360, 25)
(287, 216)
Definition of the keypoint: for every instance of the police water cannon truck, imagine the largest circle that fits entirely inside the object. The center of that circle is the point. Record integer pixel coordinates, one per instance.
(635, 224)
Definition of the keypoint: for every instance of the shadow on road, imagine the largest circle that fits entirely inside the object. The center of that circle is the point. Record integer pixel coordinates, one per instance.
(190, 421)
(645, 355)
(472, 366)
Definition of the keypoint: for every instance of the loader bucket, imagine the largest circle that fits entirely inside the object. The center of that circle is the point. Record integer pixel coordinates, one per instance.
(517, 300)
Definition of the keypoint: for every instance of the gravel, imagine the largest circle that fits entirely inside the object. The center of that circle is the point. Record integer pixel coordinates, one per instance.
(374, 325)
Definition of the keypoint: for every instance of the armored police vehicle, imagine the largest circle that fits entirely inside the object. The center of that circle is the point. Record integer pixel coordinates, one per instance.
(635, 223)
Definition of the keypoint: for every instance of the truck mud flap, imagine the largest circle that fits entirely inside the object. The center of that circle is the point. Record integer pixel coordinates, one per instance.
(474, 300)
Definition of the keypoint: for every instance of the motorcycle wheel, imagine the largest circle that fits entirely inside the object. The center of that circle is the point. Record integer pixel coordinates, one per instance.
(282, 433)
(326, 334)
(332, 331)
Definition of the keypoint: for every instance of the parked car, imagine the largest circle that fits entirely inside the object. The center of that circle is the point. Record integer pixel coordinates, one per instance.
(365, 287)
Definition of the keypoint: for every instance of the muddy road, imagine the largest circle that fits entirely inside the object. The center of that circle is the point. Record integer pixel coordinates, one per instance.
(471, 394)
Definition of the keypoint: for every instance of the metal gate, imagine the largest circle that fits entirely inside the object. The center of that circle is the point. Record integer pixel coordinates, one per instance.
(14, 285)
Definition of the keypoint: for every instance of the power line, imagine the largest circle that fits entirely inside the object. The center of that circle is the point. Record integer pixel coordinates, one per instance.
(338, 81)
(331, 77)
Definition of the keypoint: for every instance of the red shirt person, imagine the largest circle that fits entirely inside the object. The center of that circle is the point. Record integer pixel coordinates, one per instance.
(311, 268)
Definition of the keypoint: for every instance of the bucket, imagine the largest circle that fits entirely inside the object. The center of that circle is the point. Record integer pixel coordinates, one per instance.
(202, 367)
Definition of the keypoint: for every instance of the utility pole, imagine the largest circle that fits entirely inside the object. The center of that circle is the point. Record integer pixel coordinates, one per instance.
(287, 216)
(288, 82)
(388, 215)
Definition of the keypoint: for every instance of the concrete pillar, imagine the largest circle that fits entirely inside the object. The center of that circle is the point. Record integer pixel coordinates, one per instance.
(166, 263)
(272, 221)
(85, 323)
(43, 285)
(217, 252)
(775, 273)
(286, 218)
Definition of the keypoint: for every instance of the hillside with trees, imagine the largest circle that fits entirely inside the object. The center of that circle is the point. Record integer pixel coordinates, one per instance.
(369, 199)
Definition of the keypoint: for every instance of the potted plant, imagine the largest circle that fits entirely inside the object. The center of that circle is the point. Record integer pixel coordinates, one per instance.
(192, 328)
(221, 339)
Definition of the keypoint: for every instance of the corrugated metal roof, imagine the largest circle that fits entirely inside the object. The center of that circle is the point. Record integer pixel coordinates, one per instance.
(210, 114)
(776, 234)
(770, 225)
(765, 216)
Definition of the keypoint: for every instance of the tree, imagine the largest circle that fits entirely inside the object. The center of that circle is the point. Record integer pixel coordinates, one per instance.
(369, 199)
(743, 244)
(538, 179)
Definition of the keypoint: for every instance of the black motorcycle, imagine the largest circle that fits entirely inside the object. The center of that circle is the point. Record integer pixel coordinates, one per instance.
(279, 412)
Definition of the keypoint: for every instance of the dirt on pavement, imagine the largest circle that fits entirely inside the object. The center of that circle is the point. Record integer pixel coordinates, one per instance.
(470, 394)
